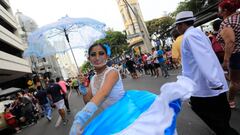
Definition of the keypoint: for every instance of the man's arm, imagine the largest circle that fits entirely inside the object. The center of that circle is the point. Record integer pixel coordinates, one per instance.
(49, 95)
(204, 56)
(175, 54)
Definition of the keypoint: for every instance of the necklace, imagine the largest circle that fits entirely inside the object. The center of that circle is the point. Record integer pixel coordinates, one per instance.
(100, 74)
(99, 79)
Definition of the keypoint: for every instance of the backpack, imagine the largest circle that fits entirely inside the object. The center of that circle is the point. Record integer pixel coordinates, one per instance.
(216, 45)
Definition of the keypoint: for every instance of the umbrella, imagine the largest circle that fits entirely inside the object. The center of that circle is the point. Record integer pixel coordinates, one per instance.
(51, 39)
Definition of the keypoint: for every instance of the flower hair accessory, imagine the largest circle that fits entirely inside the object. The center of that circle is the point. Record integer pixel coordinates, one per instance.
(108, 49)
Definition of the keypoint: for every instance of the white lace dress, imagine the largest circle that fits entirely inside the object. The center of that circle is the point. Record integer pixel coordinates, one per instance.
(138, 112)
(117, 90)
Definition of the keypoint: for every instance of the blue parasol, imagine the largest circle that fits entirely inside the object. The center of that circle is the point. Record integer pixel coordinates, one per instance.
(52, 38)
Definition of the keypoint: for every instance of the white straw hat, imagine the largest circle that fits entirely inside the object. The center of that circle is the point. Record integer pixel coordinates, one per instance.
(184, 16)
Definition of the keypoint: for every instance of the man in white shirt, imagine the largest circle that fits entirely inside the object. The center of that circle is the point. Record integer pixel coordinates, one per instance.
(200, 63)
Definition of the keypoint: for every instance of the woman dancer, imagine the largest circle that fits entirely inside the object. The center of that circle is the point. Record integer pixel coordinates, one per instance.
(127, 112)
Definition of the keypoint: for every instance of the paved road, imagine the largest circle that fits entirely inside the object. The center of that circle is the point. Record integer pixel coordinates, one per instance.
(188, 123)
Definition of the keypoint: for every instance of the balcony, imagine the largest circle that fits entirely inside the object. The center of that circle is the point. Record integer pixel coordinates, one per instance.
(12, 67)
(7, 17)
(10, 38)
(13, 63)
(6, 3)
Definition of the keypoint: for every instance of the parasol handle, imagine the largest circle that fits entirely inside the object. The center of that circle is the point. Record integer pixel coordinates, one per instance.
(66, 35)
(67, 38)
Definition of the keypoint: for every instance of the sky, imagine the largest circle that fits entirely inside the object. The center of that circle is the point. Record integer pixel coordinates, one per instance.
(106, 11)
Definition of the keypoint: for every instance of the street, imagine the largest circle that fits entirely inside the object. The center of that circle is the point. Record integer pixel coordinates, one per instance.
(188, 123)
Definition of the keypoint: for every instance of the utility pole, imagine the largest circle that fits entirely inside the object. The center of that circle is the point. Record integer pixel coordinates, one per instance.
(142, 28)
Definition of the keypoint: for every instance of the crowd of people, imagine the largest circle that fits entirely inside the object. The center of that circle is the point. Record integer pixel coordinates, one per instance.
(159, 61)
(23, 111)
(29, 106)
(204, 60)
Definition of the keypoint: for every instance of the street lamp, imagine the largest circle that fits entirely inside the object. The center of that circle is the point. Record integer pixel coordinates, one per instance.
(142, 27)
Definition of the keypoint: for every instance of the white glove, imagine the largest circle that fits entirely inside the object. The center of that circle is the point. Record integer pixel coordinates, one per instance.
(81, 117)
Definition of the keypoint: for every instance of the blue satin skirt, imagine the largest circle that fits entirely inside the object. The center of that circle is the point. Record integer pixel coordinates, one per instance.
(124, 112)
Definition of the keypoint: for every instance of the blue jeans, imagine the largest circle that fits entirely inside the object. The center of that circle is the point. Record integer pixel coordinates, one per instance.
(47, 110)
(163, 67)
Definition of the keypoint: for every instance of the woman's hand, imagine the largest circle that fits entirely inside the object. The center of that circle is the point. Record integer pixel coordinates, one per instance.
(225, 65)
(81, 118)
(81, 78)
(76, 129)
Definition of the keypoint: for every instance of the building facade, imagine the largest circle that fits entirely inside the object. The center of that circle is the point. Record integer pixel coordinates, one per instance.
(68, 68)
(44, 67)
(137, 34)
(12, 66)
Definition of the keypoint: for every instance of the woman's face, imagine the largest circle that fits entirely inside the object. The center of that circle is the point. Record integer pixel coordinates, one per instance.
(98, 57)
(222, 13)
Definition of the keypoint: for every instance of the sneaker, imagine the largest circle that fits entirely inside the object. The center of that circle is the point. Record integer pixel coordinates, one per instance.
(18, 131)
(65, 122)
(49, 118)
(68, 110)
(155, 76)
(166, 76)
(31, 124)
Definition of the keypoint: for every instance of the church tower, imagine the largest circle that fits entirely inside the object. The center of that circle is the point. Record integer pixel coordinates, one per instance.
(137, 34)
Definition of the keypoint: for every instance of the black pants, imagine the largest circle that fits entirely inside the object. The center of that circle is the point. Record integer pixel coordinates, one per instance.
(65, 97)
(27, 111)
(215, 112)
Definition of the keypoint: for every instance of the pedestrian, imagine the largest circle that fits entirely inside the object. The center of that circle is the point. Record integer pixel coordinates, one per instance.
(27, 109)
(229, 36)
(200, 63)
(56, 98)
(64, 92)
(176, 47)
(162, 63)
(217, 47)
(150, 65)
(42, 98)
(75, 85)
(11, 120)
(131, 112)
(131, 66)
(155, 62)
(144, 61)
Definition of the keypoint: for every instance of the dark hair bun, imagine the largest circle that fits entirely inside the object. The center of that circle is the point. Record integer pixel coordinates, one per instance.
(230, 5)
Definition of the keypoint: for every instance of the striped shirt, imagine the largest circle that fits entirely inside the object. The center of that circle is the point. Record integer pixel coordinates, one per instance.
(232, 21)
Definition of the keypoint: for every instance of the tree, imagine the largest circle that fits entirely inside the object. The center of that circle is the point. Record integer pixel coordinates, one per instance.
(159, 25)
(86, 66)
(116, 40)
(192, 5)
